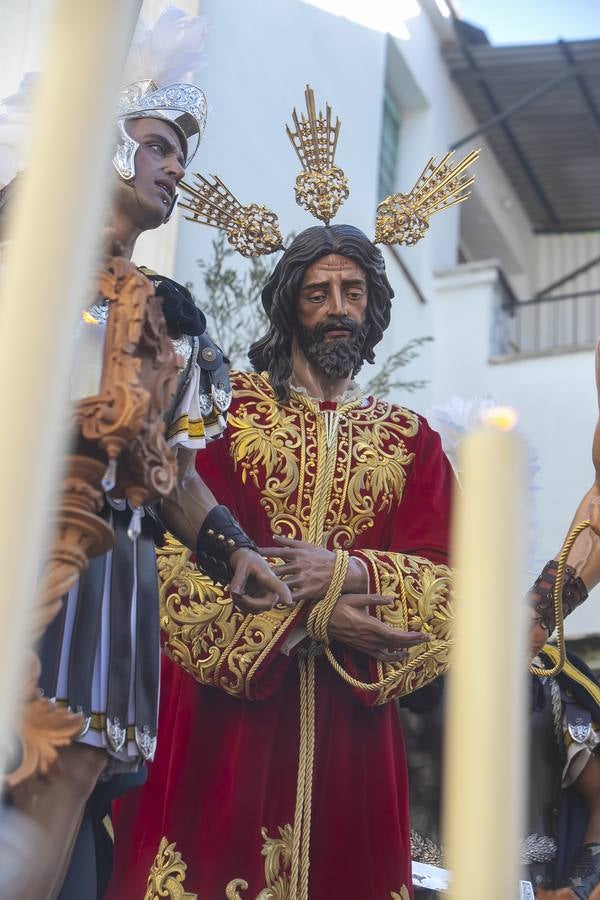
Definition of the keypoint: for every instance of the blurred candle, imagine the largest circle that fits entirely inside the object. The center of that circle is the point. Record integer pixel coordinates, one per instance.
(485, 748)
(59, 208)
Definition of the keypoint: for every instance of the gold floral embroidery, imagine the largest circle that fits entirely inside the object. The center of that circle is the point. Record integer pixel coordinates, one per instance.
(198, 620)
(424, 592)
(278, 854)
(167, 875)
(286, 450)
(205, 634)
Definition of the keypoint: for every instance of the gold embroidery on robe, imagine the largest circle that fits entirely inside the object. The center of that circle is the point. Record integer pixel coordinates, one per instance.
(423, 592)
(322, 476)
(278, 855)
(167, 875)
(206, 635)
(278, 447)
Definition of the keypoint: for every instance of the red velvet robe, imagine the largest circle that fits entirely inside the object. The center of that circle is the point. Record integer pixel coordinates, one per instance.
(365, 476)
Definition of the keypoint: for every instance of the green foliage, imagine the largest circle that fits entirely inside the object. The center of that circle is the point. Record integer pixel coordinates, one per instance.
(388, 380)
(231, 303)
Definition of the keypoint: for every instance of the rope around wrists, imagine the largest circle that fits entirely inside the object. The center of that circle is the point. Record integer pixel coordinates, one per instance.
(318, 619)
(559, 618)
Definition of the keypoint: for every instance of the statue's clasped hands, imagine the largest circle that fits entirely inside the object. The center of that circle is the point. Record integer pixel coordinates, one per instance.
(307, 569)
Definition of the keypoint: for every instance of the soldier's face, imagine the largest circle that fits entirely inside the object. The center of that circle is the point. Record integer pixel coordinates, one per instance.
(159, 167)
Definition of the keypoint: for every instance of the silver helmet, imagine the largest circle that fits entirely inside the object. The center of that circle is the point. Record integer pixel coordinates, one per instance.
(182, 105)
(160, 56)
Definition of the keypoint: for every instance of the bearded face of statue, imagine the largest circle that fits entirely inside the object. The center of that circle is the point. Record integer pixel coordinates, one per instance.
(329, 293)
(331, 315)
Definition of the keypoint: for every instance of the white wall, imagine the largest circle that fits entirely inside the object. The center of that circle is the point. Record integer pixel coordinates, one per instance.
(22, 38)
(555, 397)
(446, 119)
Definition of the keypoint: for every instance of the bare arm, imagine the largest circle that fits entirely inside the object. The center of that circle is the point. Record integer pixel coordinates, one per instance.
(185, 509)
(584, 556)
(254, 585)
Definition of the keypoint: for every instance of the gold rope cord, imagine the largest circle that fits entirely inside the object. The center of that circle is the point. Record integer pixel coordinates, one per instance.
(327, 427)
(557, 668)
(300, 860)
(393, 677)
(318, 620)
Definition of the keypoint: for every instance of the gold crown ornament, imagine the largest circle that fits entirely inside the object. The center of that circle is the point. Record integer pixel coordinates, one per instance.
(251, 230)
(404, 218)
(322, 187)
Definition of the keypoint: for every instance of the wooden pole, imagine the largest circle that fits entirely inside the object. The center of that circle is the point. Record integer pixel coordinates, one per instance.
(55, 227)
(485, 748)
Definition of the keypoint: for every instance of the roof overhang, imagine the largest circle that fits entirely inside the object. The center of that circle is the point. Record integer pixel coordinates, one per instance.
(539, 109)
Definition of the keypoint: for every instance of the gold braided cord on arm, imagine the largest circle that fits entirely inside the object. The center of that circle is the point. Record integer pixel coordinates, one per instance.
(392, 678)
(557, 668)
(396, 676)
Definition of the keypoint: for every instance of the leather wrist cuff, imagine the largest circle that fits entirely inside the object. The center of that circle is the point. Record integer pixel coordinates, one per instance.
(219, 537)
(542, 593)
(585, 875)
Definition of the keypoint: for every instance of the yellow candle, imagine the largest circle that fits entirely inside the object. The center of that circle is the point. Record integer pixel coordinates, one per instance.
(55, 226)
(485, 748)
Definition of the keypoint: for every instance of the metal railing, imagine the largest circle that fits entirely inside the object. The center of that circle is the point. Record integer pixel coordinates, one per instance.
(548, 324)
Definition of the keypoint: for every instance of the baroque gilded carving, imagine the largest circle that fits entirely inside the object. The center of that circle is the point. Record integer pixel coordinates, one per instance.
(138, 381)
(127, 419)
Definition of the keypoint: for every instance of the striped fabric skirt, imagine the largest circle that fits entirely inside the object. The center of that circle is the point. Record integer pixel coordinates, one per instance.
(101, 654)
